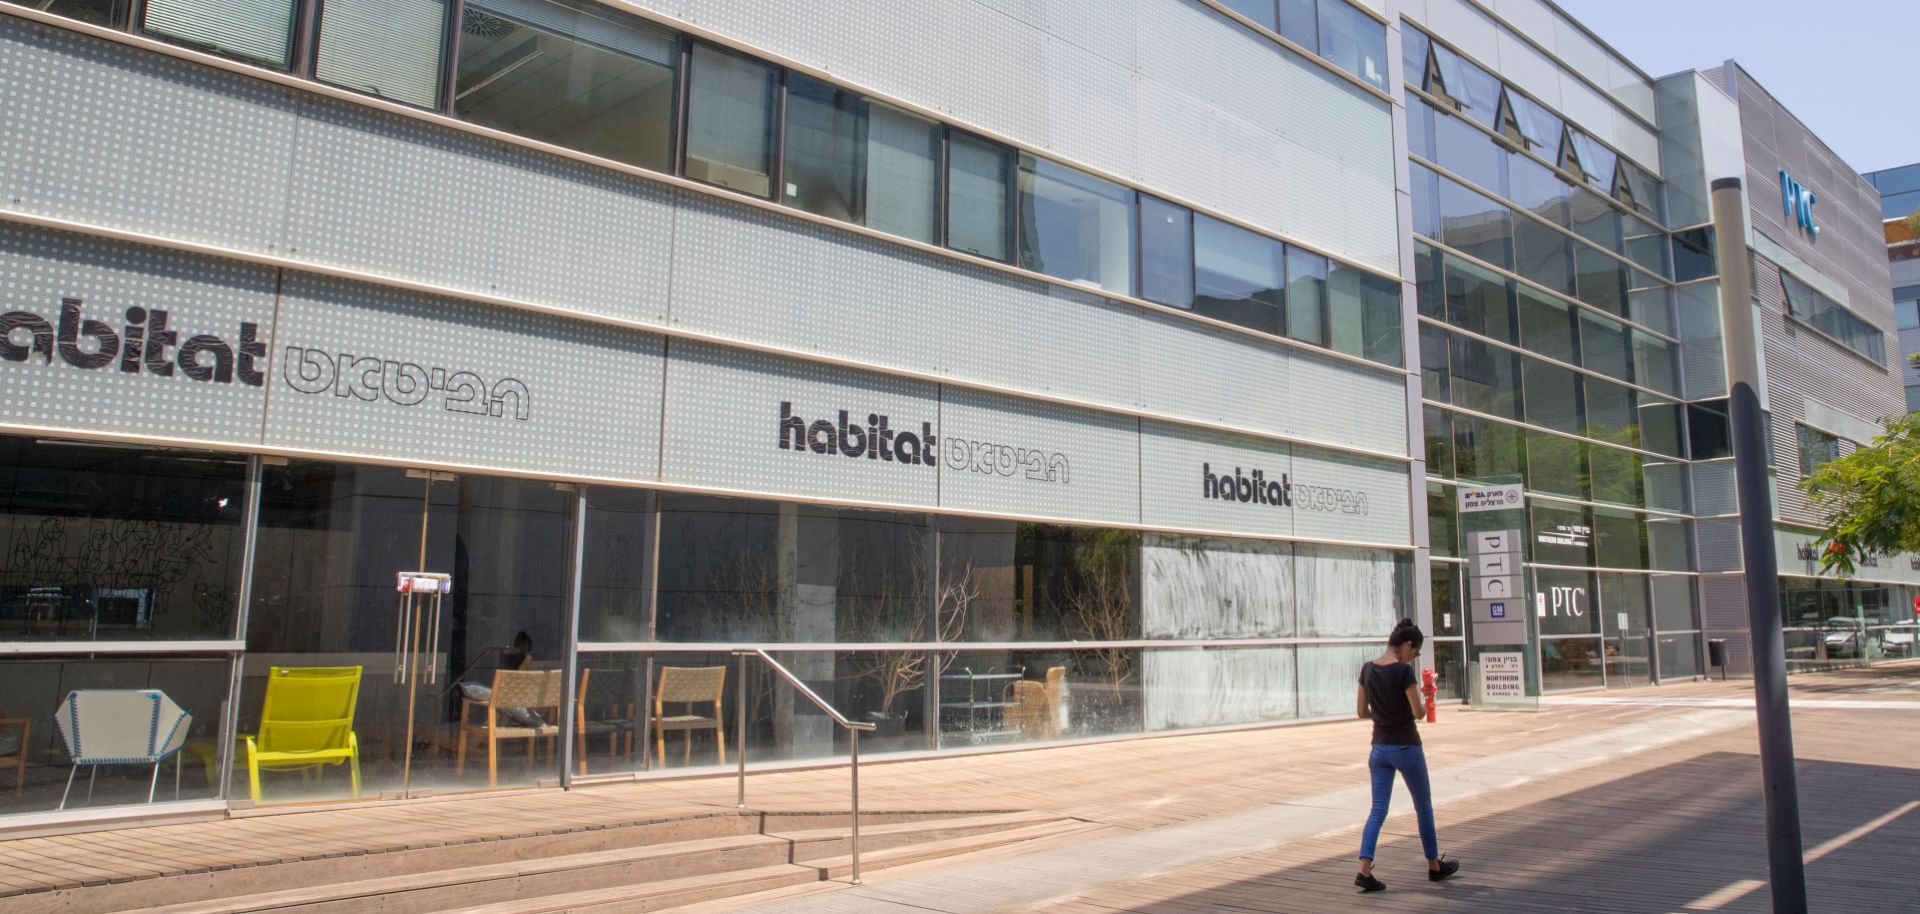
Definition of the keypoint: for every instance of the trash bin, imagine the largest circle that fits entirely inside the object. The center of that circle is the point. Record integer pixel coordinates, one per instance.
(1717, 655)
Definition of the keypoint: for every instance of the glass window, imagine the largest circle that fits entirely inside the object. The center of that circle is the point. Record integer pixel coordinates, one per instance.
(1434, 374)
(108, 543)
(1075, 226)
(387, 49)
(1239, 276)
(1426, 201)
(1547, 326)
(1166, 252)
(1414, 48)
(1420, 124)
(1832, 319)
(1556, 465)
(1479, 300)
(1906, 314)
(1543, 255)
(1646, 245)
(1602, 281)
(1619, 539)
(1487, 451)
(1443, 527)
(1429, 291)
(1913, 398)
(1540, 128)
(1562, 535)
(1484, 377)
(1641, 191)
(1673, 606)
(573, 74)
(1652, 306)
(1597, 162)
(1260, 11)
(979, 174)
(1654, 363)
(99, 12)
(1817, 448)
(1467, 152)
(617, 561)
(1350, 39)
(1475, 90)
(1438, 425)
(1617, 475)
(1612, 412)
(859, 161)
(256, 30)
(1297, 23)
(1693, 256)
(730, 121)
(1660, 429)
(1552, 396)
(1710, 433)
(1475, 224)
(1364, 314)
(1594, 219)
(1606, 347)
(1537, 189)
(1306, 296)
(902, 173)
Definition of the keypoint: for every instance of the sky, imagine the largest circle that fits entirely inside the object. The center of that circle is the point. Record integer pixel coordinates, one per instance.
(1844, 67)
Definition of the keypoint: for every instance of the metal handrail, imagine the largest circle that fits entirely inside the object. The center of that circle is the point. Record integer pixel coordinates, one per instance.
(853, 728)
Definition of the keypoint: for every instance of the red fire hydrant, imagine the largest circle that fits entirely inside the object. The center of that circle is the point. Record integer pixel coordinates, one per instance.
(1428, 689)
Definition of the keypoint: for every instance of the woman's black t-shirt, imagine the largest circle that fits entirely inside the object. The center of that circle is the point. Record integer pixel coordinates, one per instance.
(1387, 700)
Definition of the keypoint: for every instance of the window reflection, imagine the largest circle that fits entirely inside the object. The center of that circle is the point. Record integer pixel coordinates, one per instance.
(1075, 226)
(1239, 277)
(730, 121)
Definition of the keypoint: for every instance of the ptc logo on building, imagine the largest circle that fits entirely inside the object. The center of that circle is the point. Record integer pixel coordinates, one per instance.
(1797, 202)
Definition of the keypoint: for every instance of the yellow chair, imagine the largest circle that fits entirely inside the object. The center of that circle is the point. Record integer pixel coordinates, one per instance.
(306, 722)
(689, 686)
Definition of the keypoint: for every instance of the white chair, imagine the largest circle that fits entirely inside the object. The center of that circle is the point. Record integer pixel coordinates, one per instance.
(120, 727)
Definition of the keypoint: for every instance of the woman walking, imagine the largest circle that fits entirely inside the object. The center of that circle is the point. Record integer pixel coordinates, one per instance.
(1390, 699)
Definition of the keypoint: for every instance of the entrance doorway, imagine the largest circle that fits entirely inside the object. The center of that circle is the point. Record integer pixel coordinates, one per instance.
(341, 670)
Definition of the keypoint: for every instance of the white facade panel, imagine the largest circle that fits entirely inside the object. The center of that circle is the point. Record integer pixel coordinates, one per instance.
(1215, 375)
(759, 423)
(1342, 497)
(1011, 456)
(367, 370)
(1523, 65)
(1588, 109)
(1195, 479)
(1529, 17)
(1368, 409)
(1466, 27)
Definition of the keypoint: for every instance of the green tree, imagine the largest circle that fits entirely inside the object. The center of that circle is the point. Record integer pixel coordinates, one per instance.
(1872, 497)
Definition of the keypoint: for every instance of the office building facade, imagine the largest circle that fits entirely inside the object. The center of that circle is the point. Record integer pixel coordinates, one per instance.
(1899, 190)
(1063, 372)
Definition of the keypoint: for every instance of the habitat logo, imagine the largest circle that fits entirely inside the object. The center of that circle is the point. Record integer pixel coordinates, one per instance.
(875, 440)
(1256, 487)
(146, 343)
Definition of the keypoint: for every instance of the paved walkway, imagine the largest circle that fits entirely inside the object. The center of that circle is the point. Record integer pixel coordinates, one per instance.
(1617, 802)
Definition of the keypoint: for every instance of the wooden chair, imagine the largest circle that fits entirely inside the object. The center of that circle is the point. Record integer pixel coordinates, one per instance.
(601, 713)
(689, 686)
(19, 755)
(539, 692)
(1026, 711)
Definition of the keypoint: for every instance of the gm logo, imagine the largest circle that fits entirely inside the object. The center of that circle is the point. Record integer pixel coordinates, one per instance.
(1797, 201)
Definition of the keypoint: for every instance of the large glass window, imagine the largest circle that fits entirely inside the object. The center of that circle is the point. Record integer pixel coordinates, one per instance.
(1594, 219)
(1484, 377)
(1612, 412)
(825, 153)
(1617, 476)
(1556, 465)
(1297, 23)
(1475, 91)
(616, 572)
(902, 173)
(1239, 276)
(572, 73)
(1438, 427)
(1654, 363)
(979, 174)
(1426, 201)
(1166, 252)
(1420, 118)
(1817, 448)
(1646, 245)
(1467, 152)
(110, 543)
(1075, 226)
(1693, 255)
(1562, 535)
(1606, 347)
(1832, 319)
(111, 13)
(1543, 255)
(1476, 225)
(1443, 526)
(1537, 189)
(1547, 326)
(1541, 129)
(1260, 11)
(1435, 378)
(1619, 538)
(1350, 39)
(1488, 451)
(390, 49)
(1479, 300)
(1906, 314)
(1552, 396)
(730, 121)
(1364, 310)
(1602, 281)
(254, 30)
(1306, 296)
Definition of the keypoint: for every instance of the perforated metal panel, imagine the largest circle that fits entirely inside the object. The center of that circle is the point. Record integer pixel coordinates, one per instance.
(1340, 496)
(1019, 457)
(1214, 375)
(366, 370)
(379, 193)
(96, 132)
(1719, 544)
(1713, 489)
(1348, 405)
(1175, 491)
(67, 316)
(724, 428)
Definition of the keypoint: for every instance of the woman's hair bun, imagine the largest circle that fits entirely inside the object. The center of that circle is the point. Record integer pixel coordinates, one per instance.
(1405, 623)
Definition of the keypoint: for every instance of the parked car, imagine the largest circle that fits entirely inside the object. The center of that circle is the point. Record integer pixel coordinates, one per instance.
(1843, 637)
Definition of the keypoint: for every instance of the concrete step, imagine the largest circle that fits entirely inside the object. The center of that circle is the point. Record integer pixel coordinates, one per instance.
(669, 894)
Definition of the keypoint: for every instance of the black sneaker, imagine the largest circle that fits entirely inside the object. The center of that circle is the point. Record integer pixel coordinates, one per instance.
(1446, 870)
(1369, 884)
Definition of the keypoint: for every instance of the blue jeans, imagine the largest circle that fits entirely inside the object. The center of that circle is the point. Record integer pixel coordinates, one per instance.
(1411, 762)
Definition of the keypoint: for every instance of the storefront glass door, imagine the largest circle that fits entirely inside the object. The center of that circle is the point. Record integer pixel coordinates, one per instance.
(340, 669)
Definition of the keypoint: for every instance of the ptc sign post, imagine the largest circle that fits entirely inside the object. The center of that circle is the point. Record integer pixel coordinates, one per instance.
(1496, 589)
